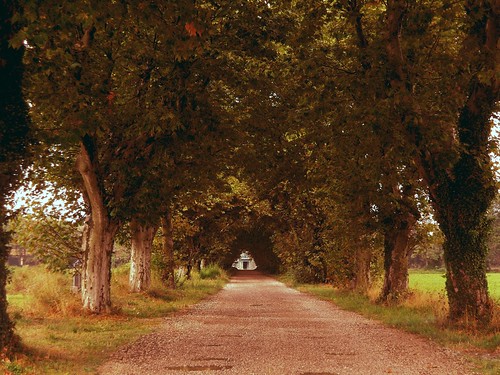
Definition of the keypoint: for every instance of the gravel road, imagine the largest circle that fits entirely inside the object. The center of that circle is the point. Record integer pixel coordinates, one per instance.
(257, 325)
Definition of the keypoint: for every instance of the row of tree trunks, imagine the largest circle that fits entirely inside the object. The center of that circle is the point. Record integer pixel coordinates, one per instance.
(397, 235)
(140, 258)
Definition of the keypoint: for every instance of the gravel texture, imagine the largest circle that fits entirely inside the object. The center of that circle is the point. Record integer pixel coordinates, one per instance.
(256, 325)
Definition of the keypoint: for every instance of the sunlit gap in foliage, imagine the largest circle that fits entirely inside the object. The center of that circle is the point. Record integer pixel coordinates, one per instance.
(51, 201)
(495, 141)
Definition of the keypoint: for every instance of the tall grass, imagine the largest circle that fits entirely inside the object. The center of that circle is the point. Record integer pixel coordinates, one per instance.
(35, 291)
(59, 338)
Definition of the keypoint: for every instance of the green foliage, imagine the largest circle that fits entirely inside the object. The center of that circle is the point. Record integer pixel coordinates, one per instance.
(427, 246)
(54, 241)
(211, 272)
(16, 138)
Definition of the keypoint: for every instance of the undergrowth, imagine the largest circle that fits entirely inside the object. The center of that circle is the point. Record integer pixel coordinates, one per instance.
(59, 338)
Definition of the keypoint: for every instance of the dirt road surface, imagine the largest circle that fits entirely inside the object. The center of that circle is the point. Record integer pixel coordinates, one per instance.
(256, 325)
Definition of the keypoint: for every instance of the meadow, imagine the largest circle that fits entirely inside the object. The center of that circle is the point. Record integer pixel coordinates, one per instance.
(434, 282)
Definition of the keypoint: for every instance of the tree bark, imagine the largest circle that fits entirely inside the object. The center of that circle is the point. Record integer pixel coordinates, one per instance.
(168, 272)
(396, 251)
(6, 325)
(140, 258)
(96, 277)
(98, 239)
(362, 281)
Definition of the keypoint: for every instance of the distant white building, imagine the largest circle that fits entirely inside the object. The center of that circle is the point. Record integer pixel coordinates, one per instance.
(245, 262)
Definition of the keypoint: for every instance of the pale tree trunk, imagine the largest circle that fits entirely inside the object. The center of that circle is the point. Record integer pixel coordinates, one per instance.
(96, 277)
(140, 258)
(98, 239)
(396, 252)
(168, 275)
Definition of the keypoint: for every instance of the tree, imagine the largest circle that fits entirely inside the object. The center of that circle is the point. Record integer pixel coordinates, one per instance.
(455, 162)
(52, 240)
(14, 141)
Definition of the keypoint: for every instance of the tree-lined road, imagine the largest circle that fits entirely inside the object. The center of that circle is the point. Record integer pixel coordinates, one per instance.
(257, 325)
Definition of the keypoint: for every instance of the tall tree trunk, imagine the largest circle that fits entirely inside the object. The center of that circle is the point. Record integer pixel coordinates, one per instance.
(140, 258)
(98, 239)
(168, 272)
(396, 251)
(461, 194)
(14, 139)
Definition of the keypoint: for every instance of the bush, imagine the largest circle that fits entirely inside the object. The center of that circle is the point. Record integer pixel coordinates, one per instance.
(212, 271)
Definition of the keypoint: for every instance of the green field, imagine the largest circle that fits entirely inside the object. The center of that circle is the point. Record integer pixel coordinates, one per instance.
(434, 281)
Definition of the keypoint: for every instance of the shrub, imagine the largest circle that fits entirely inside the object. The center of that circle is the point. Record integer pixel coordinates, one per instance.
(212, 271)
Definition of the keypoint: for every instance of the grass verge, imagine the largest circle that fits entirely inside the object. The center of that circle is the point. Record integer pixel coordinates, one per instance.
(424, 313)
(58, 338)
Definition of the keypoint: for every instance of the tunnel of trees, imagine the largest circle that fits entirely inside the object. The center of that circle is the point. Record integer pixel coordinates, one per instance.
(329, 139)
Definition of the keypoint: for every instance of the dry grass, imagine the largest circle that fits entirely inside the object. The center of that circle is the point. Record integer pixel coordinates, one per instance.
(59, 338)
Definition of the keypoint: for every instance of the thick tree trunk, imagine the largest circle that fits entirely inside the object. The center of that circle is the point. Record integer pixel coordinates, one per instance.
(168, 272)
(98, 238)
(465, 253)
(140, 258)
(96, 277)
(396, 252)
